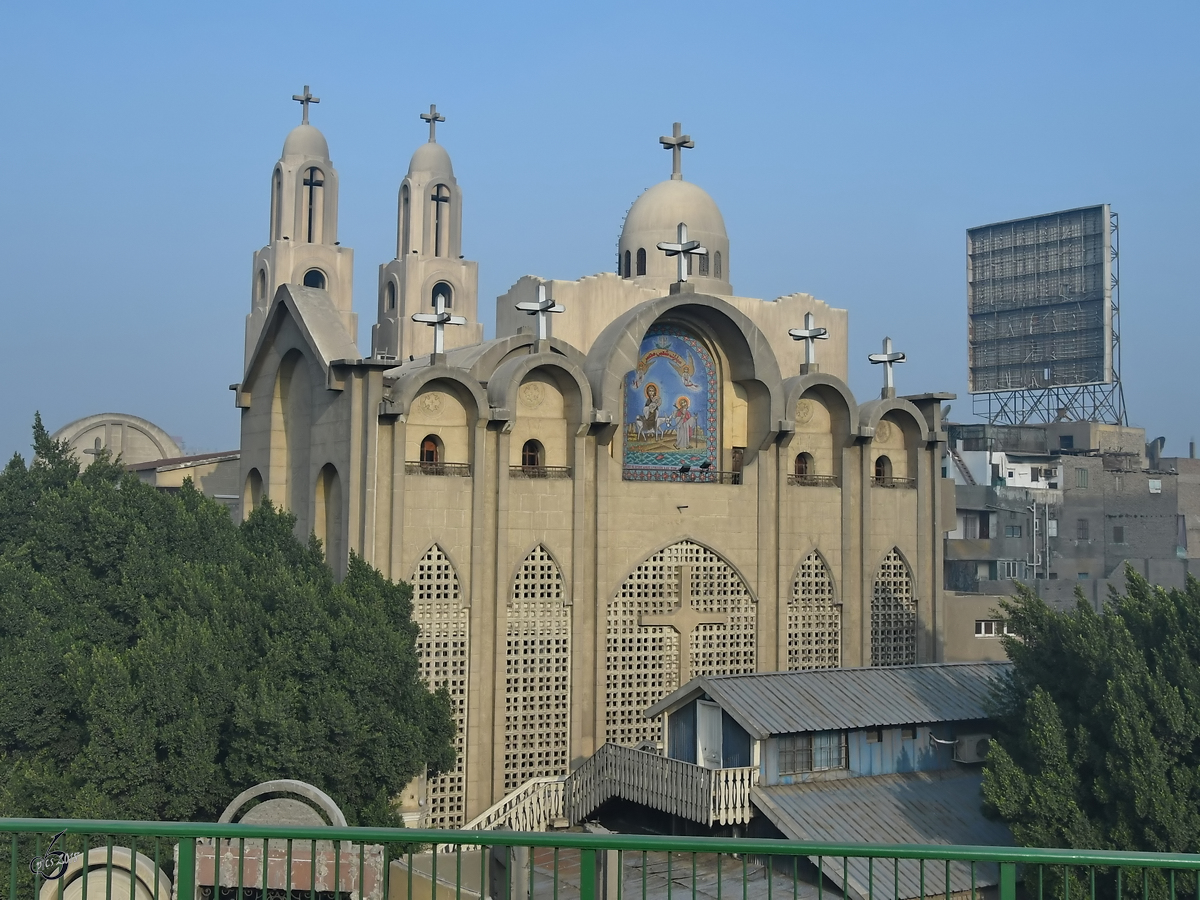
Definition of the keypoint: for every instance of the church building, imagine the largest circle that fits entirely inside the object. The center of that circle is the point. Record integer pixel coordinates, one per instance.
(643, 478)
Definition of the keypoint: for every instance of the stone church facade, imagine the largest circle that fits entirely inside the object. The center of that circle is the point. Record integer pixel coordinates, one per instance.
(659, 487)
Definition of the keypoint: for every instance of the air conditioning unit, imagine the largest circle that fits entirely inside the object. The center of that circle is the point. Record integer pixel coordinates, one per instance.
(971, 748)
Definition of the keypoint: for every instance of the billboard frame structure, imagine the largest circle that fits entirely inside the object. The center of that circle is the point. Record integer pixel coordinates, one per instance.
(1065, 371)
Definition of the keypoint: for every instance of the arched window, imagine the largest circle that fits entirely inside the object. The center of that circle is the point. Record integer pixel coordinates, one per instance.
(327, 523)
(717, 264)
(893, 614)
(441, 218)
(391, 296)
(628, 264)
(532, 455)
(314, 204)
(252, 496)
(314, 278)
(704, 264)
(262, 285)
(804, 465)
(431, 450)
(405, 222)
(883, 468)
(445, 291)
(641, 261)
(276, 205)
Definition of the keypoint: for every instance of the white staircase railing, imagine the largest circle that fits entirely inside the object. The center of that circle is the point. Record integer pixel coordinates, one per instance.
(534, 806)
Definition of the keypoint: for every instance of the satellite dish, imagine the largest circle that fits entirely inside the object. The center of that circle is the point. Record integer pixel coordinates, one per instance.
(946, 411)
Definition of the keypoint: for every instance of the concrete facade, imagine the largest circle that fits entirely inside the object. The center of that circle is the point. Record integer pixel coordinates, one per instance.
(560, 589)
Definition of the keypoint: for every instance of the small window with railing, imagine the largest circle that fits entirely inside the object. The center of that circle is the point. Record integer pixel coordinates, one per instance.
(819, 751)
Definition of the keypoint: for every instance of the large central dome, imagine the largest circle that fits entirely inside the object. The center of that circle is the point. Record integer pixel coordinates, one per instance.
(655, 216)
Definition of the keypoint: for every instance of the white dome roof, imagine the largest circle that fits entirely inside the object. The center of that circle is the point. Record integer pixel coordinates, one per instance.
(432, 159)
(662, 207)
(306, 141)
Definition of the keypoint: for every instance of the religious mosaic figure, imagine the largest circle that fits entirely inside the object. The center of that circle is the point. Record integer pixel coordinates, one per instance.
(647, 422)
(684, 424)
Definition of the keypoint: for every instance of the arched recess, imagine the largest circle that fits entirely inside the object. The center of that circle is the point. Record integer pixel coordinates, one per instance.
(814, 618)
(823, 413)
(442, 409)
(405, 242)
(443, 653)
(537, 684)
(252, 493)
(276, 204)
(291, 413)
(655, 642)
(312, 206)
(893, 613)
(327, 516)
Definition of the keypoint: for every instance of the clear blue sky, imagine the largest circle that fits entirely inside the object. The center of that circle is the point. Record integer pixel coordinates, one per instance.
(849, 146)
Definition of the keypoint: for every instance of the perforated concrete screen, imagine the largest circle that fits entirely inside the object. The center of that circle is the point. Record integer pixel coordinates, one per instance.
(537, 689)
(1039, 301)
(893, 614)
(444, 654)
(814, 620)
(650, 632)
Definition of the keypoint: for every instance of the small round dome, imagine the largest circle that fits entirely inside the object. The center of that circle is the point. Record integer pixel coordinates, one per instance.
(304, 140)
(431, 159)
(655, 217)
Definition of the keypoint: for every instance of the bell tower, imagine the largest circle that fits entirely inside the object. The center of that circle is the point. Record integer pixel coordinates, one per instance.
(429, 262)
(303, 247)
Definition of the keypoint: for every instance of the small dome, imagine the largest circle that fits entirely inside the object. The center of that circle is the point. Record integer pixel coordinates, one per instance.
(431, 159)
(662, 207)
(306, 141)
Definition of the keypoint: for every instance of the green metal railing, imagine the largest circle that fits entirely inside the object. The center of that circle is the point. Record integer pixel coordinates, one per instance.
(555, 866)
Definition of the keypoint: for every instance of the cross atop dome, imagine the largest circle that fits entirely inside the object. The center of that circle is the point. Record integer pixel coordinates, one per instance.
(433, 117)
(676, 143)
(305, 99)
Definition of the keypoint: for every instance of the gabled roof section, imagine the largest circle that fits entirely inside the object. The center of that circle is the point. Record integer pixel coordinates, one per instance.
(772, 703)
(318, 320)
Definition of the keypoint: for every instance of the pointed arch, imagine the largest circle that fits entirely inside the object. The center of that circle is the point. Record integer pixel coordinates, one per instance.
(645, 662)
(814, 617)
(327, 514)
(443, 653)
(537, 684)
(893, 613)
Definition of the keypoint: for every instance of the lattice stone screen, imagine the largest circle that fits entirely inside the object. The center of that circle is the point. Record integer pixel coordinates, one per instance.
(442, 648)
(814, 620)
(643, 661)
(893, 614)
(537, 692)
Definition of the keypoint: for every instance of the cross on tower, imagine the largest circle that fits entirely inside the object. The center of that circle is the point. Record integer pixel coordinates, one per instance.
(887, 359)
(542, 309)
(433, 117)
(96, 449)
(684, 618)
(676, 143)
(682, 249)
(809, 334)
(305, 99)
(439, 319)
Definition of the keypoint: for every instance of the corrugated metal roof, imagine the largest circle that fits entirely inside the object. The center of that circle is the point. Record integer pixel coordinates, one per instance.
(917, 808)
(770, 703)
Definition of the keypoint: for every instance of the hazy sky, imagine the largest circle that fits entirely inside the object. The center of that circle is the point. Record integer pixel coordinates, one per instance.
(849, 146)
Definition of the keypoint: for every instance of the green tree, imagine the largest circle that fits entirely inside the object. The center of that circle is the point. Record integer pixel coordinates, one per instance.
(1097, 740)
(156, 658)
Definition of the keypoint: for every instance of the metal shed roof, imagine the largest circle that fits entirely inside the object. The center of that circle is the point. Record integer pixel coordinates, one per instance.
(917, 808)
(771, 703)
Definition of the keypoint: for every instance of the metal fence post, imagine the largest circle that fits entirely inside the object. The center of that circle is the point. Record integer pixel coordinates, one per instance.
(587, 874)
(185, 875)
(1008, 881)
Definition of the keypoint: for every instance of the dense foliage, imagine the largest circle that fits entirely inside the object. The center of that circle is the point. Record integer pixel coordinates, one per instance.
(156, 659)
(1098, 737)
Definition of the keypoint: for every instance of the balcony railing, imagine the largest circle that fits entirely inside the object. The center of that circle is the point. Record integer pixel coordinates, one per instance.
(893, 481)
(672, 474)
(539, 471)
(192, 860)
(463, 470)
(813, 480)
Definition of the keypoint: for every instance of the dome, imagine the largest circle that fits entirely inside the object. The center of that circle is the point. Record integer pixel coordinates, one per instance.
(306, 141)
(668, 203)
(431, 159)
(655, 217)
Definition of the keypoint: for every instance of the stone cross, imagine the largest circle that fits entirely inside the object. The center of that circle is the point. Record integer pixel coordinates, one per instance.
(810, 334)
(887, 359)
(96, 449)
(684, 618)
(433, 117)
(305, 99)
(676, 143)
(542, 309)
(439, 319)
(682, 249)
